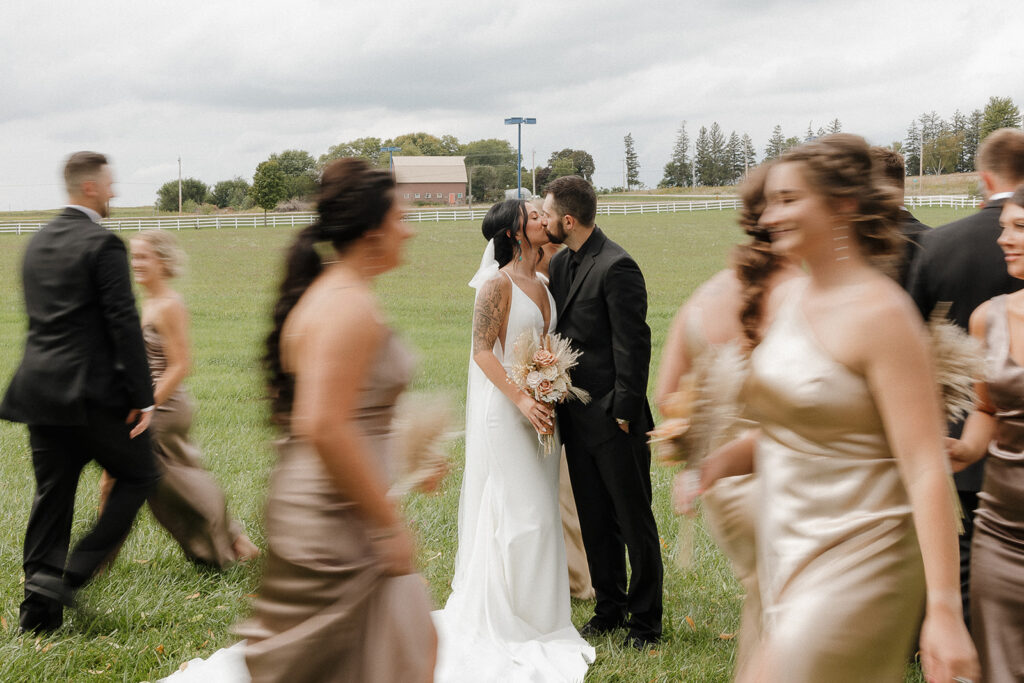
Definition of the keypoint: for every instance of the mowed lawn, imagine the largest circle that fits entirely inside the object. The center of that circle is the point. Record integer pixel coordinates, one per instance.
(154, 610)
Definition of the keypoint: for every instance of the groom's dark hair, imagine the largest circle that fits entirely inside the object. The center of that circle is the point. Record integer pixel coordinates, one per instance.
(574, 197)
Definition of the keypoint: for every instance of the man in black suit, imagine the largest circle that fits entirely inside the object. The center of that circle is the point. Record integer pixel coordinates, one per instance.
(83, 388)
(602, 307)
(961, 263)
(892, 169)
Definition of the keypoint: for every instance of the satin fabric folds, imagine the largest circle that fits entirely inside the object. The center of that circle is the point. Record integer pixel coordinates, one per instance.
(842, 581)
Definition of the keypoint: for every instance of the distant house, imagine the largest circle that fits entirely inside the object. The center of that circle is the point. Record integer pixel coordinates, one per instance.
(432, 180)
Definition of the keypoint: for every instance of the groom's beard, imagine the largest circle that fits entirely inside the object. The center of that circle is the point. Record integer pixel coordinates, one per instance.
(556, 238)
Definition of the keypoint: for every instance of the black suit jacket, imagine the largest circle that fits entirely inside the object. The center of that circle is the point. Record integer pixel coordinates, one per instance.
(912, 231)
(84, 343)
(603, 312)
(961, 263)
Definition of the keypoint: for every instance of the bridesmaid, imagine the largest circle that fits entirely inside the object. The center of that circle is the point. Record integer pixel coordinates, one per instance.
(855, 526)
(187, 501)
(996, 429)
(727, 308)
(339, 599)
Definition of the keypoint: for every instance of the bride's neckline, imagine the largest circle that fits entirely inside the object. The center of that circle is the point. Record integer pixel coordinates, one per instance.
(546, 319)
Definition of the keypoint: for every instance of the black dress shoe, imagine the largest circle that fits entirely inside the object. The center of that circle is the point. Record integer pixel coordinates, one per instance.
(599, 627)
(641, 642)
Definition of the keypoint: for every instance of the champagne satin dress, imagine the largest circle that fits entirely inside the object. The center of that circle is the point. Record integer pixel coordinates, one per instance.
(842, 580)
(997, 549)
(325, 610)
(187, 502)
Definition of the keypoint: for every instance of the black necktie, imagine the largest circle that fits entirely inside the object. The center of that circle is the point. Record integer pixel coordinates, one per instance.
(573, 267)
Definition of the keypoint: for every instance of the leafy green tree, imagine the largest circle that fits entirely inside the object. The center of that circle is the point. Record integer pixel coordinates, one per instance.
(365, 148)
(299, 169)
(678, 171)
(230, 193)
(1000, 112)
(450, 145)
(268, 186)
(942, 152)
(776, 144)
(581, 161)
(417, 144)
(632, 163)
(191, 188)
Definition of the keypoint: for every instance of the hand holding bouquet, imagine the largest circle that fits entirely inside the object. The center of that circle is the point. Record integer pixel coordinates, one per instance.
(421, 432)
(540, 368)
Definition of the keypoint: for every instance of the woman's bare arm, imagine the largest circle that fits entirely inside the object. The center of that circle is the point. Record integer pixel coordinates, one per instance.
(490, 318)
(981, 424)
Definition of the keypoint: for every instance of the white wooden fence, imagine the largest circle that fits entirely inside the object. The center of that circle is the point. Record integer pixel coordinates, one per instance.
(292, 220)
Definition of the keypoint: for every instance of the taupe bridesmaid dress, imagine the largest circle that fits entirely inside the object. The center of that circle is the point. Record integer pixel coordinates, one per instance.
(842, 580)
(325, 610)
(997, 549)
(729, 510)
(187, 502)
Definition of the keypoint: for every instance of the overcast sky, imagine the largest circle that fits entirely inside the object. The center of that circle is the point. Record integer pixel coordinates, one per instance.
(225, 84)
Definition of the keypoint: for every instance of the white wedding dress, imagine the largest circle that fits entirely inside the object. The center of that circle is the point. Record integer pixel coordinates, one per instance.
(508, 617)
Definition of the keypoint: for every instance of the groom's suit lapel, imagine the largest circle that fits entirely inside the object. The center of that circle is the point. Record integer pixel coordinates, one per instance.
(589, 259)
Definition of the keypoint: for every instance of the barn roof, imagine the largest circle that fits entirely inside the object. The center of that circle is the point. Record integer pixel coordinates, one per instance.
(424, 169)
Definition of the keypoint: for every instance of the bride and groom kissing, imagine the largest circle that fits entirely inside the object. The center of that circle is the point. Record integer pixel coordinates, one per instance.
(508, 617)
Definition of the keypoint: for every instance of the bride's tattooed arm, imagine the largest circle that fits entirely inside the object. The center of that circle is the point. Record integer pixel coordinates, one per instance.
(489, 313)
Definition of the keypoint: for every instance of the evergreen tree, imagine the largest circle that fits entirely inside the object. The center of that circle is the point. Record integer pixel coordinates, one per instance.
(776, 144)
(749, 153)
(809, 135)
(678, 170)
(835, 127)
(912, 149)
(1000, 112)
(734, 156)
(972, 137)
(719, 167)
(958, 126)
(632, 164)
(702, 162)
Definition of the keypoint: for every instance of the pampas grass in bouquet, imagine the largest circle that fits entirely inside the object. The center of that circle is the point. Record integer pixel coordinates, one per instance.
(540, 367)
(422, 436)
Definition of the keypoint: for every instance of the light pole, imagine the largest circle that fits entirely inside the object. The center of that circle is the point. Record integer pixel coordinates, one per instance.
(518, 122)
(391, 156)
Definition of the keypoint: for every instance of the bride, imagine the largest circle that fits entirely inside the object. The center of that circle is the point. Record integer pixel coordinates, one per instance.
(508, 617)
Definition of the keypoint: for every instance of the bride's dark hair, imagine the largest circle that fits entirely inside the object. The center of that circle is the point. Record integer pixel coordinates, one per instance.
(354, 198)
(504, 224)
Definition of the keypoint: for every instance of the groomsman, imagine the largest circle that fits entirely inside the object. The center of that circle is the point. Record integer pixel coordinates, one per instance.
(961, 263)
(601, 299)
(83, 388)
(892, 169)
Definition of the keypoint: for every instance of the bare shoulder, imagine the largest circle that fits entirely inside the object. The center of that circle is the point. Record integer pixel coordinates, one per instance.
(886, 315)
(979, 318)
(778, 294)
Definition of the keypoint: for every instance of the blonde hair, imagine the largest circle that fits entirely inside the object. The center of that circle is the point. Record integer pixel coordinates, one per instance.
(166, 249)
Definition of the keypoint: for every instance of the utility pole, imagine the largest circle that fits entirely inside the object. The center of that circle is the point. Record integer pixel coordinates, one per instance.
(179, 185)
(921, 160)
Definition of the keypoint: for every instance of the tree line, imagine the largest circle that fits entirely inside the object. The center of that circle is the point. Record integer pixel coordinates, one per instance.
(949, 146)
(292, 174)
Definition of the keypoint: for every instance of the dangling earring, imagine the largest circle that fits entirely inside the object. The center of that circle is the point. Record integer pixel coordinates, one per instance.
(842, 240)
(520, 243)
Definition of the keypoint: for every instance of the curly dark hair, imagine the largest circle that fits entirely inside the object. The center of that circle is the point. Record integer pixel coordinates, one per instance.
(754, 261)
(840, 167)
(354, 198)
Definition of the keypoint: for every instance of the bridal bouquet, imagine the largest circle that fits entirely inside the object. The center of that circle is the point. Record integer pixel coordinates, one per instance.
(421, 429)
(540, 367)
(703, 408)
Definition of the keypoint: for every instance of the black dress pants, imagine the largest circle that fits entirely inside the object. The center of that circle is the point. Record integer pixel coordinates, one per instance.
(58, 455)
(612, 486)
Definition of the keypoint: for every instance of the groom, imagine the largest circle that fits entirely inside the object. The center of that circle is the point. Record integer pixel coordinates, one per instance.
(602, 305)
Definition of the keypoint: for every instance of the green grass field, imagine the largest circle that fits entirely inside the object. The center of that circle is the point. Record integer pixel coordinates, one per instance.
(154, 610)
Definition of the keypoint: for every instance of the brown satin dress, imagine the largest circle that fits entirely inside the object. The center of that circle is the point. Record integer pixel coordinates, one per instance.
(729, 508)
(842, 580)
(187, 502)
(325, 610)
(997, 549)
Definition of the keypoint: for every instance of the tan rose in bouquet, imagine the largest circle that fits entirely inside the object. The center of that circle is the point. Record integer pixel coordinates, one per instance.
(540, 367)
